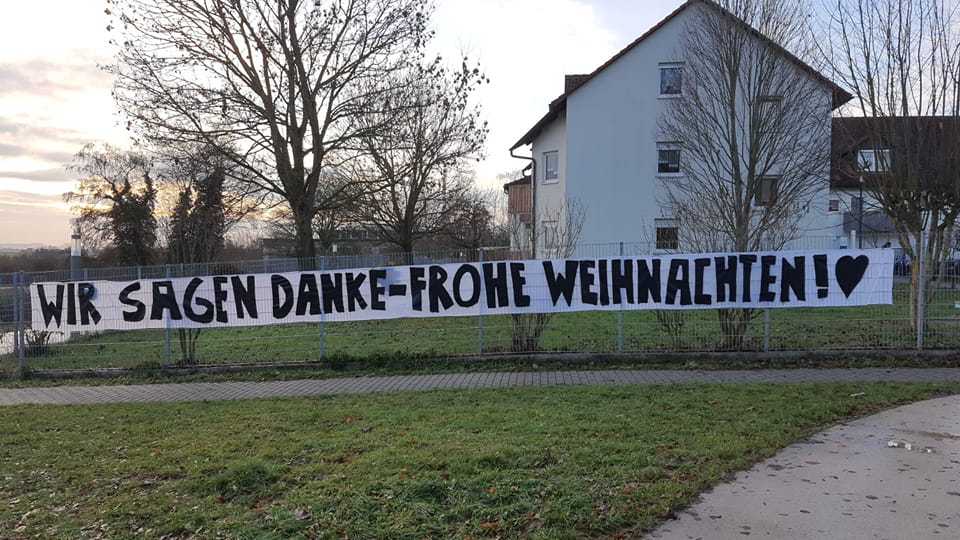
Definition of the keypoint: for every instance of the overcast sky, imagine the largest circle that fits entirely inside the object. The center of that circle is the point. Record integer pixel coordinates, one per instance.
(54, 99)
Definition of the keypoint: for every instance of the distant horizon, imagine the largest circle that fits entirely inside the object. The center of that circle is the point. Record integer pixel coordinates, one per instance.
(16, 248)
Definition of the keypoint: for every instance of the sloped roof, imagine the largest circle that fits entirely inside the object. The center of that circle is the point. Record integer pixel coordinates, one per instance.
(840, 96)
(518, 182)
(937, 135)
(525, 181)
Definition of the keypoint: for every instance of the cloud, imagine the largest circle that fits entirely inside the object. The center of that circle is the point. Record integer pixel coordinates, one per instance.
(31, 200)
(35, 151)
(23, 132)
(33, 218)
(44, 175)
(61, 156)
(525, 48)
(40, 78)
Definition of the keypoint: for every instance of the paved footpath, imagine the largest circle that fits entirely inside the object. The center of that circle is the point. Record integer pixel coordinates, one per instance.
(213, 391)
(893, 475)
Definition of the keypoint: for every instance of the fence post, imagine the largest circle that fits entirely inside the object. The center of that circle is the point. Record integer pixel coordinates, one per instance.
(922, 292)
(323, 317)
(620, 314)
(14, 287)
(766, 330)
(20, 316)
(480, 316)
(166, 362)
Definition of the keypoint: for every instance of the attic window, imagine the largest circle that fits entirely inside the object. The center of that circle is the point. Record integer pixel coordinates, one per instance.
(870, 160)
(671, 79)
(770, 104)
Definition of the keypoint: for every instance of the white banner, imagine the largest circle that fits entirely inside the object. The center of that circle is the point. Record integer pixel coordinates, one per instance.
(700, 281)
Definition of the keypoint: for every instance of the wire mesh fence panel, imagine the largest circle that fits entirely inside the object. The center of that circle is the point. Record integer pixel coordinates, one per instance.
(327, 335)
(8, 321)
(942, 324)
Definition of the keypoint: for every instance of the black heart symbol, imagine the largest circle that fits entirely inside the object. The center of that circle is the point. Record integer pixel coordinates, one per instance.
(850, 271)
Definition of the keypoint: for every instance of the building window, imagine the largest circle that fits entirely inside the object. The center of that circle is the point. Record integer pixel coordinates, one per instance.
(833, 205)
(770, 102)
(766, 190)
(671, 79)
(668, 158)
(770, 116)
(551, 167)
(872, 160)
(668, 233)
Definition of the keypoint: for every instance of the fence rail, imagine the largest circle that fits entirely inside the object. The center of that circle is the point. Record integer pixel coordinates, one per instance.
(934, 324)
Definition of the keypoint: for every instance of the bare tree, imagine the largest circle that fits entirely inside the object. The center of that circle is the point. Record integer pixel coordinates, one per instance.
(333, 214)
(752, 130)
(284, 82)
(419, 155)
(480, 220)
(750, 137)
(332, 218)
(901, 58)
(114, 200)
(198, 227)
(189, 168)
(560, 229)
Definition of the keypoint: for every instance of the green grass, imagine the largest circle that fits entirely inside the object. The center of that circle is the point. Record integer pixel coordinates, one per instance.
(865, 327)
(564, 462)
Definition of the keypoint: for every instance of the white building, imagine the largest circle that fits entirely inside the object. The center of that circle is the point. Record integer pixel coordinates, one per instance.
(601, 144)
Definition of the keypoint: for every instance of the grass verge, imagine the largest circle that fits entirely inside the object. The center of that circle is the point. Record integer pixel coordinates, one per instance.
(425, 366)
(564, 462)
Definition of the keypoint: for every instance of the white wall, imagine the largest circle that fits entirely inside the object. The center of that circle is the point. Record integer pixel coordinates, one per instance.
(607, 143)
(820, 228)
(612, 142)
(549, 198)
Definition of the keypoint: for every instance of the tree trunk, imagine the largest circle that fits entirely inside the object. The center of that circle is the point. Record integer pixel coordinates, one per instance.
(188, 346)
(406, 248)
(527, 329)
(733, 327)
(304, 234)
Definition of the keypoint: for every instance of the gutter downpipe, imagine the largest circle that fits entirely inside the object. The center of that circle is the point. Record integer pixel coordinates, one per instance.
(533, 201)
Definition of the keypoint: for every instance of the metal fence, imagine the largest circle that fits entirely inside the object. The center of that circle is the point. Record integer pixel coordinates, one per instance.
(934, 324)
